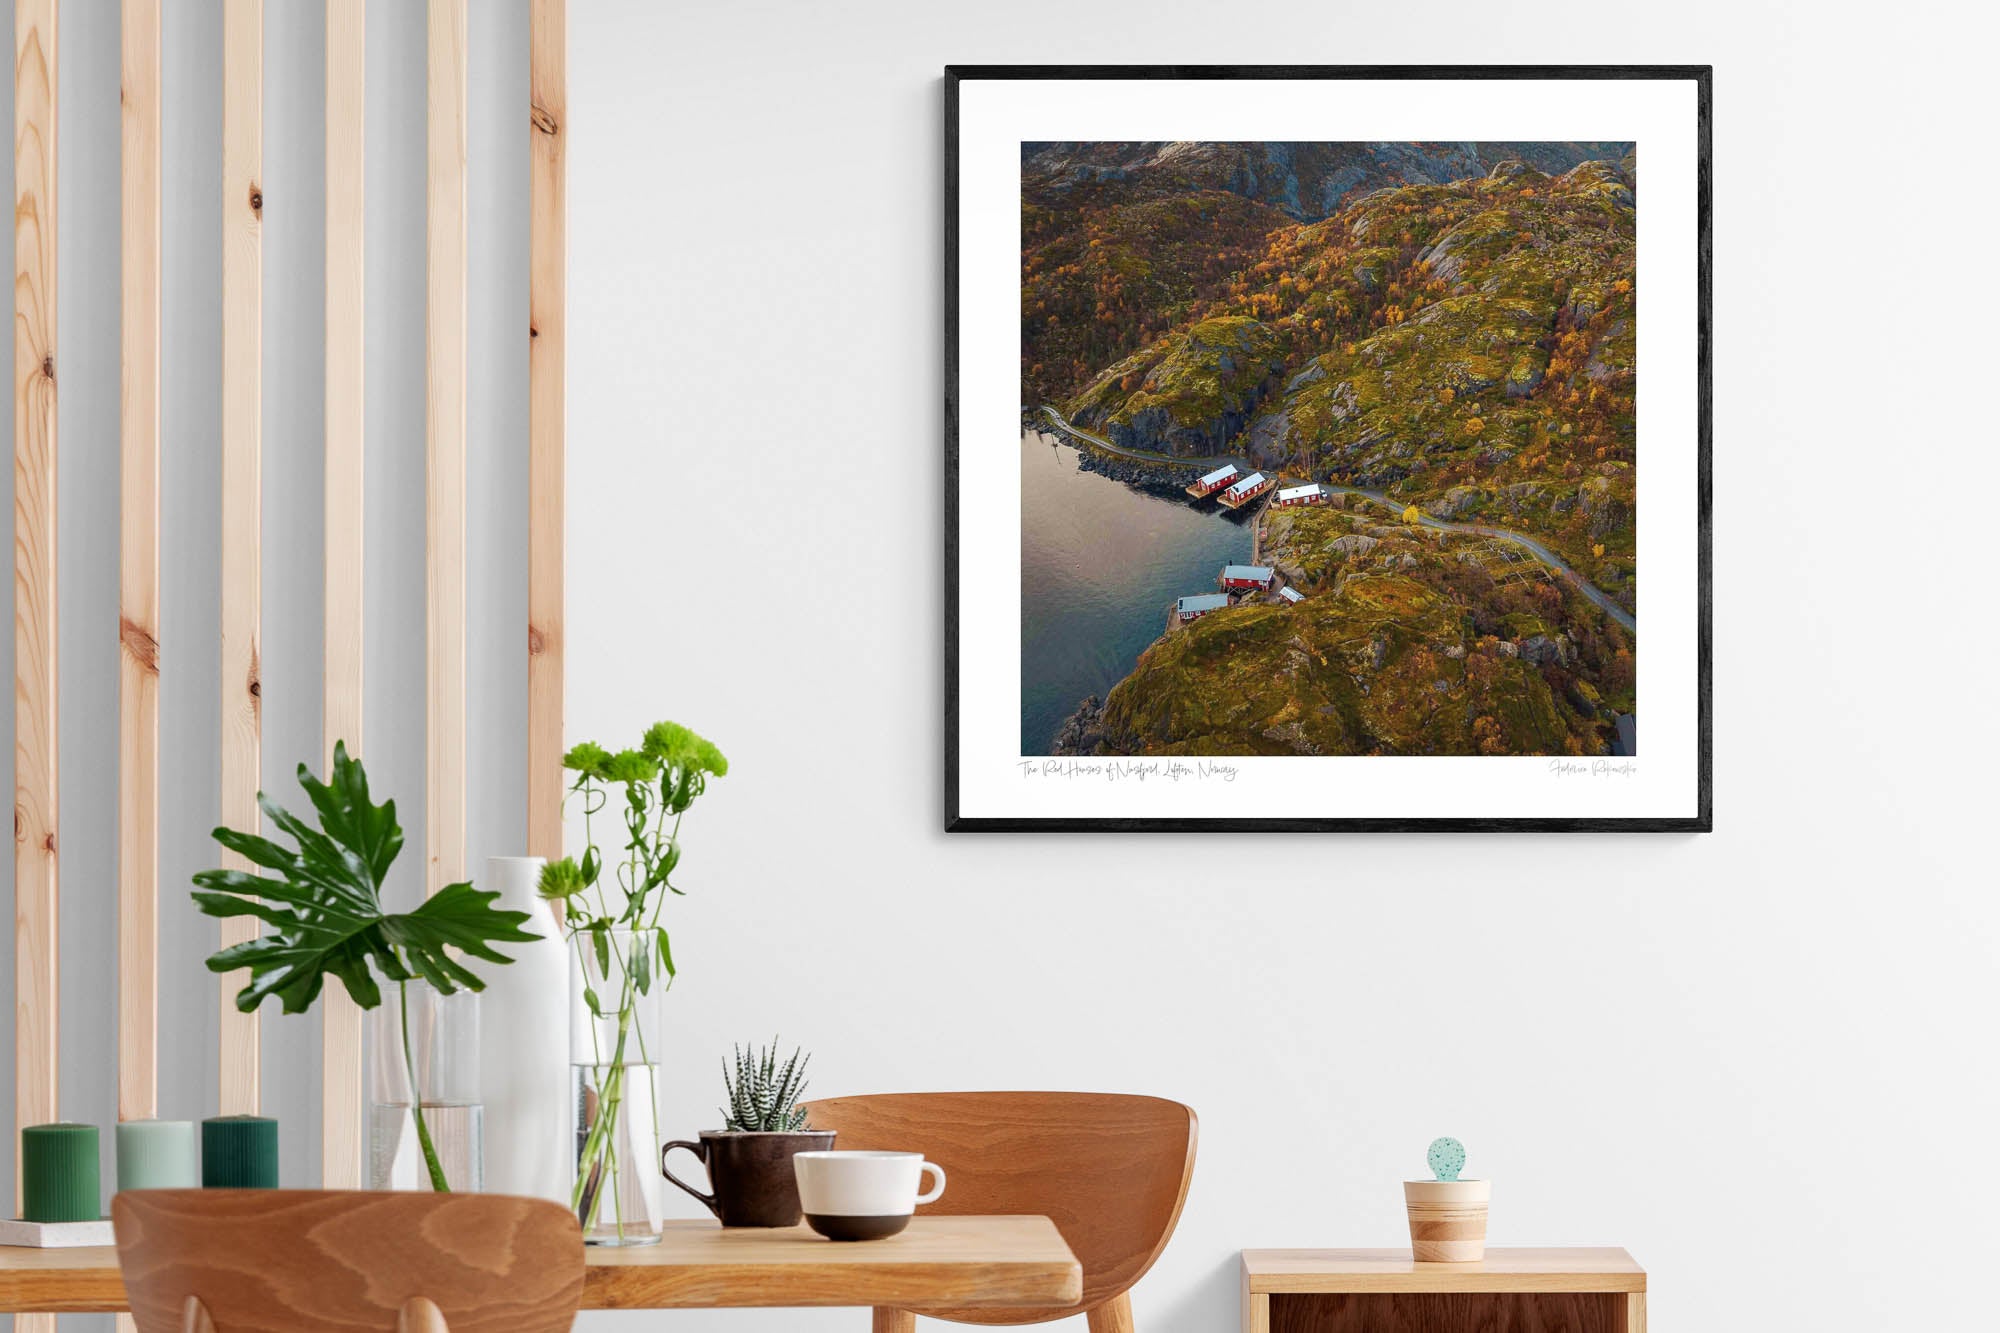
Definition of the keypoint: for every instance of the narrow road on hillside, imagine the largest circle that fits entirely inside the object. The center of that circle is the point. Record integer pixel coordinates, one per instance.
(1597, 596)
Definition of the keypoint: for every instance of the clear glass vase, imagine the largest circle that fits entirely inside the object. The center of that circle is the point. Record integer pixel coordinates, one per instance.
(614, 1054)
(415, 1029)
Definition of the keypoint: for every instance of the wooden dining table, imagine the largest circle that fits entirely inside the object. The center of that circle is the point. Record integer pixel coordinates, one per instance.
(939, 1262)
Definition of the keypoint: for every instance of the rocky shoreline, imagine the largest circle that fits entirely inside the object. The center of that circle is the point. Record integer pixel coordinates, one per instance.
(1082, 731)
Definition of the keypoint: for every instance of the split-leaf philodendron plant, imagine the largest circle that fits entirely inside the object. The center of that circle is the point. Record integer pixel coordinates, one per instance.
(323, 915)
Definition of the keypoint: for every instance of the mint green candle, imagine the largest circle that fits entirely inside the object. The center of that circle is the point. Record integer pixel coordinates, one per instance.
(239, 1152)
(59, 1174)
(158, 1155)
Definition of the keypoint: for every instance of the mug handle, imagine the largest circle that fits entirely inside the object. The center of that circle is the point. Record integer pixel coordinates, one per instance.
(936, 1190)
(707, 1200)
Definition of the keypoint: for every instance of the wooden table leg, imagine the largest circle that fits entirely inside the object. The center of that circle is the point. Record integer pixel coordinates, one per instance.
(1635, 1312)
(1256, 1312)
(894, 1321)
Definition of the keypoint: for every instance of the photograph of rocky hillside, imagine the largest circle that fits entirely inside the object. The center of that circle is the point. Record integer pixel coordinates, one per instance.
(1440, 341)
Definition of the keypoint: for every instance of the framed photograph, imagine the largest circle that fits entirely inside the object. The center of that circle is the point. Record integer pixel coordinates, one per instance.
(1320, 440)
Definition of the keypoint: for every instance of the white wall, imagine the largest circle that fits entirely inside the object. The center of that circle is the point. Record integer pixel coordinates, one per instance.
(1760, 1059)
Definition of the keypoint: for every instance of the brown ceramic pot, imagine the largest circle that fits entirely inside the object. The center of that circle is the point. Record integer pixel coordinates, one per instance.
(750, 1174)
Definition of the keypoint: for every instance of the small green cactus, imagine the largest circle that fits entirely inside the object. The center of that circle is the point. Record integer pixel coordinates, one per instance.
(763, 1094)
(1447, 1158)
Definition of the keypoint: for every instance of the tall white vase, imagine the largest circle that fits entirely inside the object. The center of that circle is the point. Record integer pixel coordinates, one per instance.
(524, 1035)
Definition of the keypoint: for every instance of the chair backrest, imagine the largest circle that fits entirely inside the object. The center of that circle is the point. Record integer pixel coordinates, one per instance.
(337, 1261)
(1110, 1170)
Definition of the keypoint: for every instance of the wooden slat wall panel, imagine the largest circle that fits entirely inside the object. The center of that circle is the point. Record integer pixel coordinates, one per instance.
(36, 983)
(242, 411)
(548, 46)
(139, 564)
(343, 1129)
(445, 360)
(139, 567)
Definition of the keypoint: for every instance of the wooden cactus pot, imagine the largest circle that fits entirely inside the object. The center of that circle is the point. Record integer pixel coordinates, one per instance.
(1447, 1219)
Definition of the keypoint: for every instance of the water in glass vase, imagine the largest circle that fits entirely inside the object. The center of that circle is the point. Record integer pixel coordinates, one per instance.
(619, 1193)
(396, 1155)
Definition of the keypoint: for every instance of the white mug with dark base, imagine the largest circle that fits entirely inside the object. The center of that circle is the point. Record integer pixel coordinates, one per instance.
(862, 1195)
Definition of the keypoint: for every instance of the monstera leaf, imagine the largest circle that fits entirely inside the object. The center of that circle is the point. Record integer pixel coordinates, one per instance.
(322, 910)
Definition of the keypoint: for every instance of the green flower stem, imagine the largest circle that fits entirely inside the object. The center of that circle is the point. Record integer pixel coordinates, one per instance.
(431, 1162)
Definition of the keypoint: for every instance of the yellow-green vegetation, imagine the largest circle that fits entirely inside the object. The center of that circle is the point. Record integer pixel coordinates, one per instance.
(1186, 394)
(1466, 350)
(1386, 665)
(1100, 282)
(1410, 641)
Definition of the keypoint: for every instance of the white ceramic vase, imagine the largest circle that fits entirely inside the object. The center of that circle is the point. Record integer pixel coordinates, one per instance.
(525, 1045)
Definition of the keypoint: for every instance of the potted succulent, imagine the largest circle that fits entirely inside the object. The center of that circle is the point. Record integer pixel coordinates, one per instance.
(749, 1160)
(1447, 1215)
(323, 917)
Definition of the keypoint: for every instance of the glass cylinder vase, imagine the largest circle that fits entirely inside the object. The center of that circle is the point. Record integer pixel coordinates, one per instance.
(434, 1139)
(616, 988)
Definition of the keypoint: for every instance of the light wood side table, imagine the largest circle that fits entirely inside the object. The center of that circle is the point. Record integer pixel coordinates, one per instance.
(1380, 1291)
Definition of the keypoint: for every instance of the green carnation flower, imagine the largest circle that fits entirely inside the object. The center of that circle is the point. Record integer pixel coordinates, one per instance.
(562, 879)
(588, 758)
(631, 766)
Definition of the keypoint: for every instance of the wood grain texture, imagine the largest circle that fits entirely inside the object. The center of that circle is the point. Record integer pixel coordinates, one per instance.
(37, 984)
(1114, 1316)
(139, 563)
(242, 540)
(444, 478)
(979, 1261)
(1448, 1312)
(892, 1321)
(343, 1125)
(194, 1317)
(1256, 1311)
(548, 64)
(139, 566)
(1111, 1171)
(1635, 1313)
(329, 1261)
(1505, 1268)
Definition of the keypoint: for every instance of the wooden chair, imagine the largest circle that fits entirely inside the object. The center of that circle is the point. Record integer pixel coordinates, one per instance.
(335, 1261)
(1111, 1171)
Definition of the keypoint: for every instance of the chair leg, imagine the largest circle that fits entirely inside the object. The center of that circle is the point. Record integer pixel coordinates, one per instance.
(894, 1321)
(194, 1317)
(419, 1315)
(1114, 1316)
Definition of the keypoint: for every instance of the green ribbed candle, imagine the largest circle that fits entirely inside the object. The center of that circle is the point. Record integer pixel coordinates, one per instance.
(59, 1174)
(239, 1152)
(158, 1155)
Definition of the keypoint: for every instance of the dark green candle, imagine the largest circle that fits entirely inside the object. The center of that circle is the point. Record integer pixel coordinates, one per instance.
(59, 1174)
(239, 1152)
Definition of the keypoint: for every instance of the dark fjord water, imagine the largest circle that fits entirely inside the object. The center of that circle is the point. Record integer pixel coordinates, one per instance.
(1100, 561)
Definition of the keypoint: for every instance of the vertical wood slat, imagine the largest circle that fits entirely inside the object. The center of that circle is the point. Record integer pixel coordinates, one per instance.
(36, 981)
(343, 1129)
(445, 363)
(138, 566)
(548, 63)
(139, 562)
(242, 409)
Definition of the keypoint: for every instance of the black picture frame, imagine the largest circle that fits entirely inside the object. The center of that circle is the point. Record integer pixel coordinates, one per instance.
(1702, 821)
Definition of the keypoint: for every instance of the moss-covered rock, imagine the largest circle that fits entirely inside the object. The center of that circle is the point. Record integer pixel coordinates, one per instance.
(1188, 394)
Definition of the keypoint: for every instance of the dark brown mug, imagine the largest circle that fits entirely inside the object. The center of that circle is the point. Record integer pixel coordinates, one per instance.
(750, 1174)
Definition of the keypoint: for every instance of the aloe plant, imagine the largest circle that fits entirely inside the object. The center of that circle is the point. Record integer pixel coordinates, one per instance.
(763, 1095)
